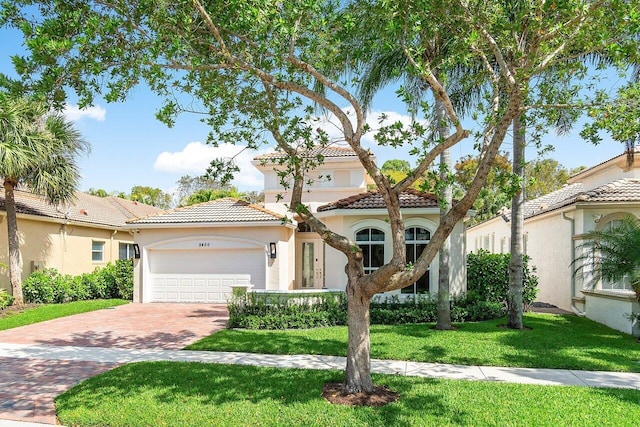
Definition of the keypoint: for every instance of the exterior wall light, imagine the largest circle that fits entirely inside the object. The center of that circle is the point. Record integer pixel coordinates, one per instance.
(272, 250)
(136, 251)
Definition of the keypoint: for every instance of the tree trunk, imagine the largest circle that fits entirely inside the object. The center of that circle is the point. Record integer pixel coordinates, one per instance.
(443, 315)
(358, 374)
(514, 295)
(15, 264)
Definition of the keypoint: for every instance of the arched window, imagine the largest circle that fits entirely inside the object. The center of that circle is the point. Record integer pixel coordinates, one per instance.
(416, 239)
(371, 241)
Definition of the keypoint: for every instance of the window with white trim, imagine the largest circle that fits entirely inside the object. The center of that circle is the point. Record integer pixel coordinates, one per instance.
(416, 239)
(619, 285)
(125, 250)
(97, 251)
(371, 242)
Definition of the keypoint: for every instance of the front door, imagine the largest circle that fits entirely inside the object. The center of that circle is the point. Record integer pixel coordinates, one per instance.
(310, 263)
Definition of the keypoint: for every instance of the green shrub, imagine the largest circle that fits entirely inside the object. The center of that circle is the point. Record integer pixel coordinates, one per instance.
(42, 287)
(5, 299)
(275, 310)
(124, 278)
(293, 311)
(48, 286)
(488, 277)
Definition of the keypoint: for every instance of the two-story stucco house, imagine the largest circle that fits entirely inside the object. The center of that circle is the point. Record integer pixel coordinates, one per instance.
(197, 253)
(593, 199)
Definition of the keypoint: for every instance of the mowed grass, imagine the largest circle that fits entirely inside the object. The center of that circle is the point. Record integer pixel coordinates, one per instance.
(198, 394)
(553, 341)
(30, 315)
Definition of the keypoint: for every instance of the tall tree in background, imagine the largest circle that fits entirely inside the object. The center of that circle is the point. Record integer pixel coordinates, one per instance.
(494, 195)
(38, 149)
(256, 66)
(150, 196)
(205, 195)
(544, 176)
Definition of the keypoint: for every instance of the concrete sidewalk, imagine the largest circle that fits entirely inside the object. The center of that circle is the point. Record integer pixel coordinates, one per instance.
(116, 356)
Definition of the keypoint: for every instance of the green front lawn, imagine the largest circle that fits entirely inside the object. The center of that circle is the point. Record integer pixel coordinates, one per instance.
(568, 342)
(198, 394)
(13, 319)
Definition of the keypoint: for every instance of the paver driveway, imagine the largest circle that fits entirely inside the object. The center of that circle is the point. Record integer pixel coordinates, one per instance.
(28, 387)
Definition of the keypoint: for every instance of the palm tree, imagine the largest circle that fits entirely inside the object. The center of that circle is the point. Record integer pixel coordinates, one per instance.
(612, 254)
(37, 149)
(385, 68)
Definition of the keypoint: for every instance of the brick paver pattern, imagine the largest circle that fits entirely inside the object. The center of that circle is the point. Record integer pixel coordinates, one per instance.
(28, 387)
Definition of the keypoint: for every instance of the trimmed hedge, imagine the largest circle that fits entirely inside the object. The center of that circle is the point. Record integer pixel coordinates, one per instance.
(49, 286)
(271, 310)
(308, 310)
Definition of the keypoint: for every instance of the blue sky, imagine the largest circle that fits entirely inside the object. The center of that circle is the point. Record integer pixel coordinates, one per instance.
(131, 147)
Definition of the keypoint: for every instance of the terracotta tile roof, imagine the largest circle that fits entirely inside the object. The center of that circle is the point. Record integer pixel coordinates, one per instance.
(622, 190)
(109, 211)
(373, 200)
(221, 210)
(551, 200)
(330, 151)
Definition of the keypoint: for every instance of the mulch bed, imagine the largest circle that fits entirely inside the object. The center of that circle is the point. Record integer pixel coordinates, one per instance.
(15, 309)
(335, 393)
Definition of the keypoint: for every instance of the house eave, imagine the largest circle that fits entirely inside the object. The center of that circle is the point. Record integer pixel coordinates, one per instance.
(377, 211)
(71, 222)
(131, 226)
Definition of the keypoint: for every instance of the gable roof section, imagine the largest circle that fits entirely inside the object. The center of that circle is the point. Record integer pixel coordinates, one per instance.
(226, 210)
(373, 200)
(105, 211)
(329, 151)
(622, 190)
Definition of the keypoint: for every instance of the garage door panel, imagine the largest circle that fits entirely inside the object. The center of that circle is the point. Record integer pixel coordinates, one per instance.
(203, 275)
(195, 288)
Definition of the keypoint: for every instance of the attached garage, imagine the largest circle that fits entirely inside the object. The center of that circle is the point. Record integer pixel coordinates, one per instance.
(200, 252)
(203, 275)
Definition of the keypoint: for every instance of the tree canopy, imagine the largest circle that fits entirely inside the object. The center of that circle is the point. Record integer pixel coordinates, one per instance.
(259, 71)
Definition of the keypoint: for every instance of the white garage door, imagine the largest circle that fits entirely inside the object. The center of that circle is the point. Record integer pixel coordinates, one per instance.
(203, 275)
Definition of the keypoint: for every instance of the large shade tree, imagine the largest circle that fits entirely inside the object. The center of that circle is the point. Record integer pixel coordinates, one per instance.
(38, 150)
(256, 66)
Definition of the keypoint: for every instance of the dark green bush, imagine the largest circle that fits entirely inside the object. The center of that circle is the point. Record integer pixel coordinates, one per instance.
(295, 311)
(48, 286)
(271, 310)
(124, 278)
(488, 277)
(44, 287)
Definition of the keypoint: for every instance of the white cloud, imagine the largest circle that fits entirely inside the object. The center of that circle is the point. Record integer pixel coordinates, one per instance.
(195, 157)
(73, 113)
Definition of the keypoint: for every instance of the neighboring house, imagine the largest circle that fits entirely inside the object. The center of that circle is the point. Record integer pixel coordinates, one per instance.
(198, 253)
(593, 199)
(74, 238)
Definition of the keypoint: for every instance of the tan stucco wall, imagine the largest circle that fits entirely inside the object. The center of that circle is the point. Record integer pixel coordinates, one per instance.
(547, 241)
(279, 271)
(67, 248)
(335, 276)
